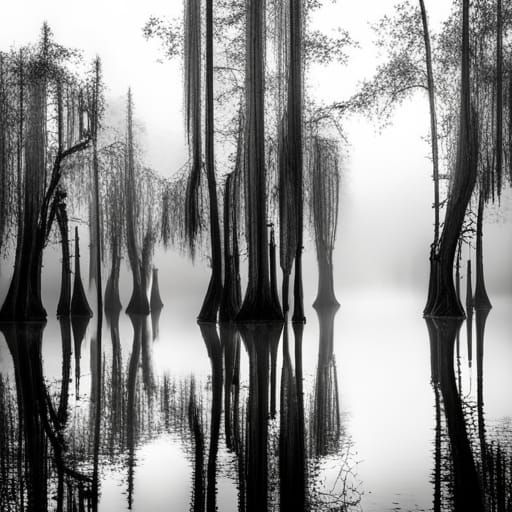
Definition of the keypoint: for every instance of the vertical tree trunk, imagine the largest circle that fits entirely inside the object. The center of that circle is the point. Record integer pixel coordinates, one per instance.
(295, 144)
(112, 300)
(499, 97)
(192, 44)
(23, 300)
(230, 302)
(64, 306)
(156, 302)
(325, 296)
(446, 303)
(435, 159)
(273, 271)
(139, 301)
(99, 290)
(257, 304)
(213, 297)
(481, 299)
(79, 304)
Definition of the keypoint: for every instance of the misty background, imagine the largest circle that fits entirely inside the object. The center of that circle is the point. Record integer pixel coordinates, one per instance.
(385, 223)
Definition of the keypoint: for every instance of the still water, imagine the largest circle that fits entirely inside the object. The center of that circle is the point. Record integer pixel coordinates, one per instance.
(357, 410)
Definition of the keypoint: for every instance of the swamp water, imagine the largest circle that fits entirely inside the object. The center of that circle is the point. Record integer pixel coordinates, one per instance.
(356, 410)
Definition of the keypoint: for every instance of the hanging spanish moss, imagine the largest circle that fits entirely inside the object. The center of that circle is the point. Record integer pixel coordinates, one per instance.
(324, 206)
(192, 57)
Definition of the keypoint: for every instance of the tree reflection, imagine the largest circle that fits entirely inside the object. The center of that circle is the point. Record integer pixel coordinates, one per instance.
(292, 456)
(38, 453)
(479, 471)
(257, 338)
(141, 356)
(325, 425)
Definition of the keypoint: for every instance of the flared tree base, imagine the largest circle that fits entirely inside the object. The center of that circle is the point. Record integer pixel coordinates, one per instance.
(211, 302)
(155, 301)
(259, 309)
(112, 302)
(22, 306)
(138, 305)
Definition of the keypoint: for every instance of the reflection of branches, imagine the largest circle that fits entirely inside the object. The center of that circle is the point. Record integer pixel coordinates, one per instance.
(344, 493)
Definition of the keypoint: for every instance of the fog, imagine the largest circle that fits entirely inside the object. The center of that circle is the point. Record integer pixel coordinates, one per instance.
(385, 225)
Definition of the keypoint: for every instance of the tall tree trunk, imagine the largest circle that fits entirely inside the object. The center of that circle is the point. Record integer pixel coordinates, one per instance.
(446, 303)
(23, 300)
(295, 144)
(435, 158)
(499, 97)
(156, 301)
(481, 299)
(213, 297)
(192, 44)
(257, 304)
(273, 271)
(112, 300)
(79, 304)
(230, 302)
(99, 290)
(139, 301)
(64, 306)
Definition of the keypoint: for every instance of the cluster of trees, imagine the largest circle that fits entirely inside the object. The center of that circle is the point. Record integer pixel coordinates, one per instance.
(260, 111)
(272, 139)
(465, 71)
(47, 121)
(57, 156)
(53, 141)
